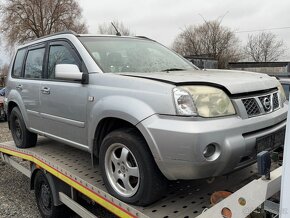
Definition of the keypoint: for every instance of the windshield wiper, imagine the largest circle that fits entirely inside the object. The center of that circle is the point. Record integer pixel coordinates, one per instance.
(172, 69)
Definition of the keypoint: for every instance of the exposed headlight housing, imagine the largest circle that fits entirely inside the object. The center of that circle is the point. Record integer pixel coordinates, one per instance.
(183, 102)
(204, 101)
(282, 94)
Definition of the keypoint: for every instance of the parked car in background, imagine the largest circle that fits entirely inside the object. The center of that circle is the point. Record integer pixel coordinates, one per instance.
(3, 116)
(2, 91)
(144, 113)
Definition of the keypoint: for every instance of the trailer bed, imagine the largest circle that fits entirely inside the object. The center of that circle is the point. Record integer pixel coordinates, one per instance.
(73, 166)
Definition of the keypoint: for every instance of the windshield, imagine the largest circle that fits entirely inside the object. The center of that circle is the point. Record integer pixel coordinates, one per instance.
(115, 55)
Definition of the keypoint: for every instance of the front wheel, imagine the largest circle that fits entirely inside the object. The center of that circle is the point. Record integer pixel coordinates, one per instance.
(129, 170)
(22, 137)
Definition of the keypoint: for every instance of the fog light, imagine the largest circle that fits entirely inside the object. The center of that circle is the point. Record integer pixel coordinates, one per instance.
(209, 150)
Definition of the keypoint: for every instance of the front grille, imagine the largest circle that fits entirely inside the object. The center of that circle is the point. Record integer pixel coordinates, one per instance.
(259, 105)
(275, 101)
(251, 106)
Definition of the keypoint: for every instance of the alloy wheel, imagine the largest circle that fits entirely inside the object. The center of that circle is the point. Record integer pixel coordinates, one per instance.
(122, 170)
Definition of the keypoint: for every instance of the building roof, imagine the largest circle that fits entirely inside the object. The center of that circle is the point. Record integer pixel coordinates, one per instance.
(257, 64)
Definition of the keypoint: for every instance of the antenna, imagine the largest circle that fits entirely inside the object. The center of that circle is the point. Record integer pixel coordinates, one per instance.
(117, 31)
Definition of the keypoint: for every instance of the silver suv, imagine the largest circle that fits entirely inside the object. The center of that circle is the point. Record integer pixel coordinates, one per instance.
(144, 113)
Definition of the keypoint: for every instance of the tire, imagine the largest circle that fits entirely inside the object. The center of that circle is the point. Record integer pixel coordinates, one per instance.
(44, 198)
(22, 137)
(128, 169)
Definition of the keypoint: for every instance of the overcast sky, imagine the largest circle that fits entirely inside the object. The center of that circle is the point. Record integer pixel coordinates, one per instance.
(162, 20)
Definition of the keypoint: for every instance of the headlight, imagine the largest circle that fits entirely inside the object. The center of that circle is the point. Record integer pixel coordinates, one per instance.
(282, 94)
(183, 102)
(207, 101)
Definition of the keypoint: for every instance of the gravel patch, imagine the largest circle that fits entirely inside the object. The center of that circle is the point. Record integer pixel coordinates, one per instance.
(16, 199)
(4, 132)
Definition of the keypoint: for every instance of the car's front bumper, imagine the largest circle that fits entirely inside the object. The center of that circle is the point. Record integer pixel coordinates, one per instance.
(177, 143)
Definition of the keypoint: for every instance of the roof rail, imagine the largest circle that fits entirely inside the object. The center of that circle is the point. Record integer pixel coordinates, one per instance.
(144, 37)
(54, 34)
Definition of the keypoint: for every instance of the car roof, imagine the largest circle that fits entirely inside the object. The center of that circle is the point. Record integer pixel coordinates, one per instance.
(68, 34)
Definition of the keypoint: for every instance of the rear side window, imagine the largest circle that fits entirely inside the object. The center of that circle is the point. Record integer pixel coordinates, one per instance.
(34, 64)
(17, 68)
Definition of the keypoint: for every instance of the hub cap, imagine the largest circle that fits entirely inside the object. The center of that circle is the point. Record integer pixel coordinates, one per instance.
(45, 196)
(122, 170)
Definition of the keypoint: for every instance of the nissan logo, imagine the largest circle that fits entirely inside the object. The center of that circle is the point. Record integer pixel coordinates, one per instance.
(267, 103)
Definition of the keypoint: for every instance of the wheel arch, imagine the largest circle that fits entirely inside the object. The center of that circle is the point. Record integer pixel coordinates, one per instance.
(11, 105)
(107, 125)
(112, 112)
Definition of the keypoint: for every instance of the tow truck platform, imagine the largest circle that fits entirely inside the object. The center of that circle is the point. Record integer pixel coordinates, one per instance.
(184, 199)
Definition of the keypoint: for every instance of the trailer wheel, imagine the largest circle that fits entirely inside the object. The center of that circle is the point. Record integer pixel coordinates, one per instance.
(22, 137)
(129, 170)
(44, 197)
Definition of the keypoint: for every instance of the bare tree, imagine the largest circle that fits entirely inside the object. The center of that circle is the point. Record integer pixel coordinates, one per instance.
(209, 38)
(264, 47)
(108, 28)
(24, 20)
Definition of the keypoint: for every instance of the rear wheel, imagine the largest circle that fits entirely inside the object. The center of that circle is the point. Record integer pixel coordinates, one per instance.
(129, 170)
(22, 137)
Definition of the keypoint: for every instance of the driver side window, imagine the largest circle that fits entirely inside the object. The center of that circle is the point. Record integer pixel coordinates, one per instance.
(59, 54)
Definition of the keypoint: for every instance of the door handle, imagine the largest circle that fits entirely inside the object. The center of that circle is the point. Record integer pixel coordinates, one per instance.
(19, 87)
(45, 90)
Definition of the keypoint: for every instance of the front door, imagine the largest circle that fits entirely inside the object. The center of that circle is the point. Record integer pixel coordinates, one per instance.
(64, 103)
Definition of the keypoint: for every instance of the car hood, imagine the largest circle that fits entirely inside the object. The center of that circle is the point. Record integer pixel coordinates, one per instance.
(235, 82)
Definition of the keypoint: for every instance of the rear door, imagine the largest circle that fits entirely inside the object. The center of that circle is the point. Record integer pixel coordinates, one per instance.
(28, 85)
(63, 103)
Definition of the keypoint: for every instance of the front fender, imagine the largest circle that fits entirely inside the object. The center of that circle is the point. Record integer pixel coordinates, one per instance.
(126, 108)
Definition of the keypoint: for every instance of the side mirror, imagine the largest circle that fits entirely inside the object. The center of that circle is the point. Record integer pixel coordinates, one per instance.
(70, 72)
